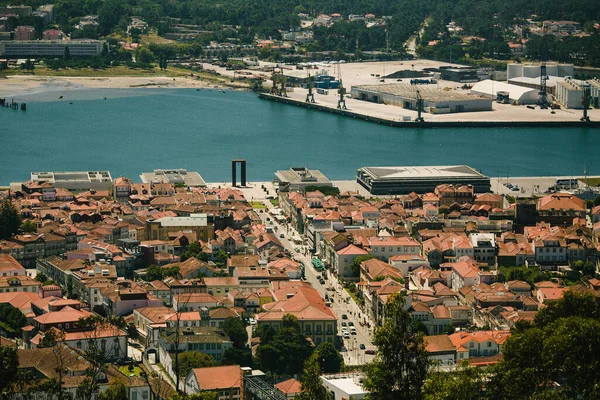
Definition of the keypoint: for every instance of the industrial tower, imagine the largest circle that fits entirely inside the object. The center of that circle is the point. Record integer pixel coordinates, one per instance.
(310, 96)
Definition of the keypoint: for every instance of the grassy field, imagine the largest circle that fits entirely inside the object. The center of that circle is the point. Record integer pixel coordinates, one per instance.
(275, 202)
(591, 181)
(125, 369)
(257, 204)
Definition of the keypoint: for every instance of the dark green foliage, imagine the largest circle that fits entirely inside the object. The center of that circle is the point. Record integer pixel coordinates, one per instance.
(11, 320)
(355, 265)
(463, 384)
(330, 360)
(195, 250)
(235, 329)
(28, 227)
(189, 360)
(400, 366)
(8, 367)
(116, 391)
(312, 387)
(235, 356)
(563, 345)
(10, 220)
(286, 352)
(158, 273)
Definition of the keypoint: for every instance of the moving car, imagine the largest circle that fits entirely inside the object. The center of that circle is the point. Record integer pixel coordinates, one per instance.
(369, 351)
(362, 346)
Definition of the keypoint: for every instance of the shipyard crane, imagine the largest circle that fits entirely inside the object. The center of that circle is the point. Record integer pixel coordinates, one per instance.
(585, 101)
(341, 105)
(274, 83)
(543, 93)
(310, 96)
(420, 107)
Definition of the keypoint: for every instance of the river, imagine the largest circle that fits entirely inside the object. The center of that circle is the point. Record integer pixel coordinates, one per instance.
(138, 130)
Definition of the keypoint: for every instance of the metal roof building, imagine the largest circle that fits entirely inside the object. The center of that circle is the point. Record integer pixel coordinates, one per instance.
(517, 94)
(404, 180)
(436, 100)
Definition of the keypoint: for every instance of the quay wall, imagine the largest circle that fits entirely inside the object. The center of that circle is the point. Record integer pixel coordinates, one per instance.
(429, 124)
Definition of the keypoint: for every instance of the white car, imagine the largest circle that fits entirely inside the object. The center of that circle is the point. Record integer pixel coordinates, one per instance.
(252, 321)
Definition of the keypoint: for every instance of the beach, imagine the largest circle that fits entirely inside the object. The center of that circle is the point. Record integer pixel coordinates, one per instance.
(25, 84)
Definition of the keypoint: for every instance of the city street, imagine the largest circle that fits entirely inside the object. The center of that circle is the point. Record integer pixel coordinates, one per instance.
(342, 303)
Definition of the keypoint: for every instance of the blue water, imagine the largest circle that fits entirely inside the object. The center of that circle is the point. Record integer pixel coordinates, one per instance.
(138, 130)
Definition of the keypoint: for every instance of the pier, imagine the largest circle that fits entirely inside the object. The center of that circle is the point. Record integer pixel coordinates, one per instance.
(13, 104)
(427, 124)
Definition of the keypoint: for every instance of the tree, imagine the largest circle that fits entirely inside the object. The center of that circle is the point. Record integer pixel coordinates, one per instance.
(155, 272)
(330, 360)
(400, 366)
(28, 227)
(463, 384)
(10, 220)
(8, 368)
(116, 391)
(312, 388)
(144, 55)
(195, 396)
(235, 329)
(235, 356)
(355, 265)
(571, 304)
(189, 360)
(286, 352)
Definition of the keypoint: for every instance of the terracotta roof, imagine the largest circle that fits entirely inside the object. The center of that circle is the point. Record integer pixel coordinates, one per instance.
(8, 263)
(460, 339)
(438, 344)
(291, 386)
(218, 378)
(352, 250)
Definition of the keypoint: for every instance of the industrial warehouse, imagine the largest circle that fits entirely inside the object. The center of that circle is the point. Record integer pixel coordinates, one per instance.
(404, 180)
(435, 100)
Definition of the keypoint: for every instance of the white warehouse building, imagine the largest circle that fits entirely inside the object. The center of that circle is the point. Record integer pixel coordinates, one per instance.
(569, 93)
(517, 94)
(436, 100)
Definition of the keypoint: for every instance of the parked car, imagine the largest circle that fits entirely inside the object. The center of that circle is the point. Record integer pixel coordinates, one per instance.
(350, 323)
(362, 346)
(369, 351)
(344, 316)
(344, 323)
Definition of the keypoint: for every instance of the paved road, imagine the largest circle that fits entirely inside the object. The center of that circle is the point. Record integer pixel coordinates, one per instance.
(342, 302)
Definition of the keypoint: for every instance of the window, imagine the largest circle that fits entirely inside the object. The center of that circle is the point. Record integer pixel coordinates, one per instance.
(79, 344)
(472, 344)
(489, 344)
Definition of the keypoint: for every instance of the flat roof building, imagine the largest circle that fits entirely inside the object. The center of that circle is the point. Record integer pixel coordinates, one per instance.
(569, 93)
(404, 180)
(173, 176)
(344, 386)
(50, 48)
(298, 178)
(436, 101)
(76, 180)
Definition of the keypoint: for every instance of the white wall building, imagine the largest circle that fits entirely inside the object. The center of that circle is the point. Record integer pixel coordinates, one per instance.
(344, 386)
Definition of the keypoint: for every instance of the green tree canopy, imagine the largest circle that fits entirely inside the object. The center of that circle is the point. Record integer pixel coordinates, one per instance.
(355, 265)
(8, 368)
(465, 383)
(330, 360)
(235, 329)
(286, 352)
(312, 388)
(10, 219)
(189, 360)
(115, 391)
(400, 366)
(28, 227)
(155, 272)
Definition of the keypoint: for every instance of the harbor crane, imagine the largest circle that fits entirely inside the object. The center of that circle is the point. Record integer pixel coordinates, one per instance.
(585, 101)
(420, 107)
(341, 105)
(310, 96)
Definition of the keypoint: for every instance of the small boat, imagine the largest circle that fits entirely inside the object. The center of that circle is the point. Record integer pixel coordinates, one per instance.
(60, 97)
(105, 98)
(71, 102)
